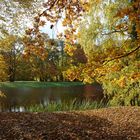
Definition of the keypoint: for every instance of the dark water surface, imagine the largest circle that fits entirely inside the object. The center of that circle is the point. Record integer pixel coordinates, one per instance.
(19, 99)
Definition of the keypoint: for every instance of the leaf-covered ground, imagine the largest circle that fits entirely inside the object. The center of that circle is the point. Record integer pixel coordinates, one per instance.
(121, 123)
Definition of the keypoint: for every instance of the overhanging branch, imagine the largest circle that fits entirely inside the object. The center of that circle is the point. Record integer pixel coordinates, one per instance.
(115, 31)
(124, 55)
(52, 5)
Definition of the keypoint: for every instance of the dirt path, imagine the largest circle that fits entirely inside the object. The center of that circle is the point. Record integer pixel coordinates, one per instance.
(104, 124)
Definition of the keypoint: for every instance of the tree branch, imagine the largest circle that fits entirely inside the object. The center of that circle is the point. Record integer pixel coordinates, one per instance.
(115, 31)
(52, 5)
(124, 55)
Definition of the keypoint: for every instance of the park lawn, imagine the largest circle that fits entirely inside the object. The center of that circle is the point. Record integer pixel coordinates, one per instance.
(35, 84)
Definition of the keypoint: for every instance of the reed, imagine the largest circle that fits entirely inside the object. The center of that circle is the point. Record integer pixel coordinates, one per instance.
(67, 106)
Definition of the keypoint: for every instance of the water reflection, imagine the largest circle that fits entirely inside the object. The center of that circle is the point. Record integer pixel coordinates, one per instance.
(17, 109)
(17, 100)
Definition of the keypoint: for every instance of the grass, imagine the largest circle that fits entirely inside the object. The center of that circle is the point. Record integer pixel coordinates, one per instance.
(67, 106)
(34, 84)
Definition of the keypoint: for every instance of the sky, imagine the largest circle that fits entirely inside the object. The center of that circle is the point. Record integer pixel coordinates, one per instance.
(58, 28)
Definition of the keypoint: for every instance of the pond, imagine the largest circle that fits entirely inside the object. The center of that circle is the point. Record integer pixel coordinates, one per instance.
(18, 99)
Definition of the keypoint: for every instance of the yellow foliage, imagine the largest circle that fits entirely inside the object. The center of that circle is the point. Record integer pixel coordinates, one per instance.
(69, 49)
(3, 69)
(88, 79)
(122, 82)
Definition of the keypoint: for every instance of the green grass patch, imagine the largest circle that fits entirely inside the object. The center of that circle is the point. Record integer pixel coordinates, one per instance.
(67, 106)
(34, 84)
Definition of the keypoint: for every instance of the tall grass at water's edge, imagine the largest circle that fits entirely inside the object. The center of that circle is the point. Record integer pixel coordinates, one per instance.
(67, 106)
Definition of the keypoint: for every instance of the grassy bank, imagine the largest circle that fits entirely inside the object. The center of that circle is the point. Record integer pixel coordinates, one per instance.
(34, 84)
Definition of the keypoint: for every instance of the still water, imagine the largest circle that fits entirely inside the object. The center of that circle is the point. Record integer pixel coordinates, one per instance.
(17, 100)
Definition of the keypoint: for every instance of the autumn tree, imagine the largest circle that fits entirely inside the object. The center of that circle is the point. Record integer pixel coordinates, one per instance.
(111, 42)
(23, 70)
(68, 11)
(11, 51)
(3, 69)
(109, 35)
(15, 17)
(76, 60)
